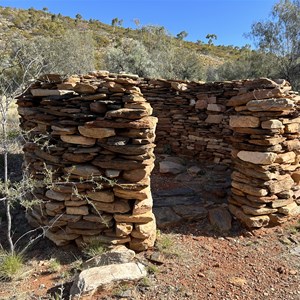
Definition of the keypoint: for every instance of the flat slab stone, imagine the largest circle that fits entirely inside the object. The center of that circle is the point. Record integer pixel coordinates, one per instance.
(47, 92)
(214, 119)
(272, 124)
(256, 94)
(88, 281)
(244, 121)
(126, 113)
(145, 122)
(259, 158)
(78, 139)
(281, 104)
(248, 220)
(98, 133)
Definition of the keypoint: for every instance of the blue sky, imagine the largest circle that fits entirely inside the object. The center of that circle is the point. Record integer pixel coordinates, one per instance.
(228, 19)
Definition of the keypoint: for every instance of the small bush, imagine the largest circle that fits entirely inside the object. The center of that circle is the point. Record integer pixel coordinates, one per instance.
(166, 245)
(152, 269)
(54, 265)
(94, 249)
(11, 265)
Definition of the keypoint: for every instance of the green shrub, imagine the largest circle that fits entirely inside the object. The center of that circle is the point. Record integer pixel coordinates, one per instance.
(11, 265)
(54, 265)
(94, 249)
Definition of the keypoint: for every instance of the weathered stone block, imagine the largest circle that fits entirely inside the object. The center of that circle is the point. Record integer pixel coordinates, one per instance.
(97, 133)
(259, 158)
(249, 220)
(214, 119)
(272, 124)
(244, 121)
(201, 104)
(281, 104)
(101, 196)
(216, 107)
(78, 139)
(248, 189)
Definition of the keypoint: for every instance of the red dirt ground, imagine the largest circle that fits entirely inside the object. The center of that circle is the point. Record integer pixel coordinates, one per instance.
(198, 262)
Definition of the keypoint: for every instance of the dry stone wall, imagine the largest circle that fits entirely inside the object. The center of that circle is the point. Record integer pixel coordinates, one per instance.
(93, 136)
(253, 124)
(193, 117)
(266, 170)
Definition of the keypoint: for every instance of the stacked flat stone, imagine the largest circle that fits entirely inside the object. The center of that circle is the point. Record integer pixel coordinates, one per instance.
(266, 147)
(94, 136)
(193, 117)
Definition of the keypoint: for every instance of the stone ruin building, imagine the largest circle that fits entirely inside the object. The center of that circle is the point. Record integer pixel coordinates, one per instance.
(95, 135)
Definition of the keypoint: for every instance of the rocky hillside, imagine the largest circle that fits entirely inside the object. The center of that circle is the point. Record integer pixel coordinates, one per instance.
(32, 23)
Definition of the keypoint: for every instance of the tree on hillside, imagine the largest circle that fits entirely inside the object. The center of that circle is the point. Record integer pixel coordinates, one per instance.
(250, 64)
(155, 55)
(210, 38)
(116, 22)
(154, 37)
(183, 64)
(181, 35)
(78, 17)
(120, 22)
(71, 53)
(280, 37)
(129, 56)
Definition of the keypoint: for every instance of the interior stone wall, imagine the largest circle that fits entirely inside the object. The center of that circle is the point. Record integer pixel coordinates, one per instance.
(193, 117)
(253, 125)
(87, 129)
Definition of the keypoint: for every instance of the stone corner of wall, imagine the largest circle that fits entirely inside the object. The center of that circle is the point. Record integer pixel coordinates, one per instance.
(99, 140)
(265, 178)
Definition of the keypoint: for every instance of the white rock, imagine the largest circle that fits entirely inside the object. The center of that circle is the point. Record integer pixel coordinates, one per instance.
(181, 87)
(112, 173)
(272, 124)
(88, 281)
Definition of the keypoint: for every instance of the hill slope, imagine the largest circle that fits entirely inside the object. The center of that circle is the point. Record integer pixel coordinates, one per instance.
(31, 23)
